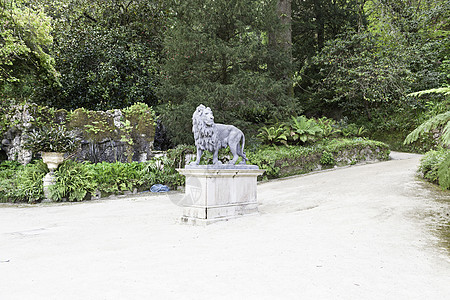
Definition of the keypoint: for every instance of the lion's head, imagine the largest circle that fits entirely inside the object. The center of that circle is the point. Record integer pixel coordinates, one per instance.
(203, 128)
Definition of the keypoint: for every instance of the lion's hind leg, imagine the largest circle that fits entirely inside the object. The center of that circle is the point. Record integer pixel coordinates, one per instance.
(241, 154)
(234, 151)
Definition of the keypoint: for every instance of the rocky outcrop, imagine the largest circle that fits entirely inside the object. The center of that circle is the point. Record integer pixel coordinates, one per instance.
(114, 135)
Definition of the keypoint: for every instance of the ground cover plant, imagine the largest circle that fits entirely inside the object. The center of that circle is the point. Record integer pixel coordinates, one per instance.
(76, 181)
(435, 167)
(20, 183)
(282, 161)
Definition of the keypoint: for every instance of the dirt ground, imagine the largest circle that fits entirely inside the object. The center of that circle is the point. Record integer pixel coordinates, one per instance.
(363, 232)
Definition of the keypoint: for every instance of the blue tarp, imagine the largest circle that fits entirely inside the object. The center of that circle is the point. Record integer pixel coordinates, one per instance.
(159, 188)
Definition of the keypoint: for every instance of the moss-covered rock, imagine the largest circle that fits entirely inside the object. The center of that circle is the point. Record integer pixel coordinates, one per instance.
(113, 135)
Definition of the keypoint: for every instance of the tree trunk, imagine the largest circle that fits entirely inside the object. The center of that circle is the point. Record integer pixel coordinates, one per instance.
(320, 24)
(281, 40)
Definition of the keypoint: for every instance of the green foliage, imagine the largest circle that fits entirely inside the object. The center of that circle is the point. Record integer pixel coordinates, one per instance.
(137, 122)
(178, 154)
(162, 170)
(73, 182)
(327, 159)
(444, 172)
(28, 185)
(285, 161)
(353, 130)
(76, 181)
(106, 52)
(436, 121)
(440, 120)
(435, 167)
(329, 127)
(116, 177)
(25, 37)
(273, 135)
(302, 130)
(8, 180)
(51, 139)
(216, 55)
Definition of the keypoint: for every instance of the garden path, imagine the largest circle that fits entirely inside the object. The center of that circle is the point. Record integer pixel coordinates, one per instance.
(363, 232)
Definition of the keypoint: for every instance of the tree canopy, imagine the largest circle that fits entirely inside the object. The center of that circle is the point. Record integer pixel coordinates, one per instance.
(25, 39)
(253, 62)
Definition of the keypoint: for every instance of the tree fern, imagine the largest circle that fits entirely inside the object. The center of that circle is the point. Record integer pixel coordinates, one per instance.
(434, 122)
(443, 90)
(444, 173)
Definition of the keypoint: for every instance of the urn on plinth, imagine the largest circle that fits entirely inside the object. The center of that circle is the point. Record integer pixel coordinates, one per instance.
(52, 159)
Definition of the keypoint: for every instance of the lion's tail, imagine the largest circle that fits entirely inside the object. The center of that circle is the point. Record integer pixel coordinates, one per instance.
(242, 147)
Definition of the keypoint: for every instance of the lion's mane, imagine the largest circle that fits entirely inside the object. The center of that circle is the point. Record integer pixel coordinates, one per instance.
(205, 135)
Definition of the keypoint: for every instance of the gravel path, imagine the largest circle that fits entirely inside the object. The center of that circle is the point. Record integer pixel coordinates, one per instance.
(364, 232)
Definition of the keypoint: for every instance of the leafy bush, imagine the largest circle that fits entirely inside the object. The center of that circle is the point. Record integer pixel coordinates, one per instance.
(444, 173)
(302, 130)
(273, 135)
(73, 182)
(8, 180)
(439, 120)
(51, 139)
(327, 159)
(116, 177)
(329, 127)
(288, 160)
(161, 170)
(435, 167)
(29, 182)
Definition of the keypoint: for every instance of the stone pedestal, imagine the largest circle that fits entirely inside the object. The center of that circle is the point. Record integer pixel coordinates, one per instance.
(48, 180)
(219, 193)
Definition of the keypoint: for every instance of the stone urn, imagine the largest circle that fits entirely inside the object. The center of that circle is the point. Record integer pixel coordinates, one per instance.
(52, 159)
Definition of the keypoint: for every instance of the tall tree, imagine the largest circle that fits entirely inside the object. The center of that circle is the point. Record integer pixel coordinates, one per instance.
(25, 38)
(107, 53)
(280, 39)
(217, 54)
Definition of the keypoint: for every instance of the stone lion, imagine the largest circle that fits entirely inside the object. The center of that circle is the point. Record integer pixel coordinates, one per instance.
(212, 137)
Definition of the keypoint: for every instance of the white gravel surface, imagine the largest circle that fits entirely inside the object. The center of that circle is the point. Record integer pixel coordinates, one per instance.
(362, 232)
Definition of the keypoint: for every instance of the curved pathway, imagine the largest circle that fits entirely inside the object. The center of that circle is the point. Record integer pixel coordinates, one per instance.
(364, 232)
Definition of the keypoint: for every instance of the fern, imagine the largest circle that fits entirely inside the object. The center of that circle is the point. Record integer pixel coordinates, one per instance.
(436, 121)
(443, 90)
(444, 173)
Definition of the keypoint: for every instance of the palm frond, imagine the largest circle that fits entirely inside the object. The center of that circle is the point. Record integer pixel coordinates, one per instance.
(443, 90)
(436, 121)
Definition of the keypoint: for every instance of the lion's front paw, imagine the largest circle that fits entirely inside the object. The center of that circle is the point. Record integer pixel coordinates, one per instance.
(218, 163)
(193, 163)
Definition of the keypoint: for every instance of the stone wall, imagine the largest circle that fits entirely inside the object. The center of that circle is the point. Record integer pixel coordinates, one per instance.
(114, 135)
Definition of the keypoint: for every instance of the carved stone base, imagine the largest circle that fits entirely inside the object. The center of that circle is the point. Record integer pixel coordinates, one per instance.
(219, 193)
(48, 180)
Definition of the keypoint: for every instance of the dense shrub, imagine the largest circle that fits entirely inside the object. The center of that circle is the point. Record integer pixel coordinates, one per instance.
(8, 180)
(77, 181)
(435, 167)
(282, 161)
(301, 131)
(73, 182)
(20, 183)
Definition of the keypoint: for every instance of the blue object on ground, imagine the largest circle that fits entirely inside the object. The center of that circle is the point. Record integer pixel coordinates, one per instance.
(159, 188)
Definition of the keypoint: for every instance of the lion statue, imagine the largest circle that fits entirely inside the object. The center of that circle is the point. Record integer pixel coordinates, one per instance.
(212, 137)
